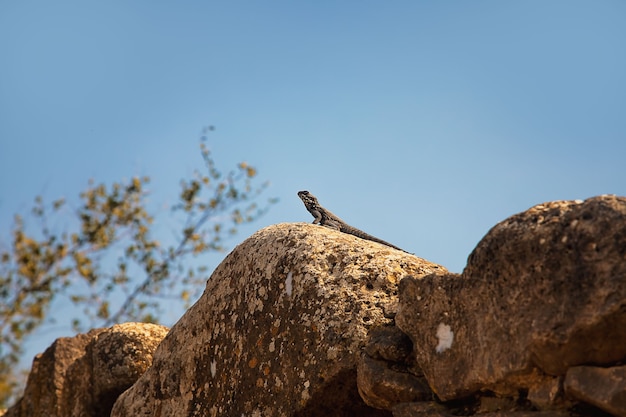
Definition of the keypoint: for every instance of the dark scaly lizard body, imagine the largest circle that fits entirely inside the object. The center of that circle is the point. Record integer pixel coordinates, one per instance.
(326, 218)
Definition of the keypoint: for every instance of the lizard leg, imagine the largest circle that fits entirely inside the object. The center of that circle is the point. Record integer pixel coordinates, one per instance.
(317, 215)
(333, 225)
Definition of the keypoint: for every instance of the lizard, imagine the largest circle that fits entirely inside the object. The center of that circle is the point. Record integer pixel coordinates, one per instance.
(324, 217)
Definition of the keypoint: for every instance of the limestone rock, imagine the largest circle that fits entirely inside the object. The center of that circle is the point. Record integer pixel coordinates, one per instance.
(428, 410)
(434, 409)
(47, 389)
(548, 394)
(603, 387)
(388, 343)
(120, 355)
(84, 374)
(420, 409)
(278, 329)
(484, 407)
(384, 377)
(543, 291)
(382, 386)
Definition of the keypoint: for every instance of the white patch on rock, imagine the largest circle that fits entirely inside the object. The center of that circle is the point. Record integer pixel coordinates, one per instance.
(445, 337)
(288, 283)
(332, 353)
(305, 393)
(213, 368)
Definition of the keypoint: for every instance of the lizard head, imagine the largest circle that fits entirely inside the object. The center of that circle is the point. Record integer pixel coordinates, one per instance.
(307, 198)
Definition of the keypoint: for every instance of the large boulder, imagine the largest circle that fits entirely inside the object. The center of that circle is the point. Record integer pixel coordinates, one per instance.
(83, 375)
(545, 290)
(278, 330)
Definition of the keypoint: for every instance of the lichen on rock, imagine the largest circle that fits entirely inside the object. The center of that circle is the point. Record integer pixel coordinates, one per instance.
(278, 329)
(544, 291)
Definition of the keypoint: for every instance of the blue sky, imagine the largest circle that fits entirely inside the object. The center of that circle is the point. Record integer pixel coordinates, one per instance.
(421, 122)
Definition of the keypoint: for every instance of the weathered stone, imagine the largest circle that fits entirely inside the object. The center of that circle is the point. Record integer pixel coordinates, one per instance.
(490, 404)
(278, 329)
(547, 393)
(388, 343)
(604, 388)
(420, 409)
(382, 386)
(433, 409)
(384, 377)
(83, 375)
(544, 289)
(120, 355)
(47, 388)
(526, 413)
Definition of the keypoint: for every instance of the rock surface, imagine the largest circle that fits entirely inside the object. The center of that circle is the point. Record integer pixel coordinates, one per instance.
(384, 377)
(545, 290)
(278, 329)
(548, 394)
(433, 409)
(603, 387)
(83, 375)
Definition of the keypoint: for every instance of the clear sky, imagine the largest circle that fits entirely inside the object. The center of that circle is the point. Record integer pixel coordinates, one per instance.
(421, 122)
